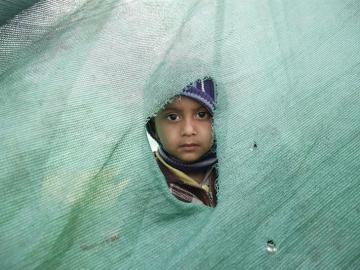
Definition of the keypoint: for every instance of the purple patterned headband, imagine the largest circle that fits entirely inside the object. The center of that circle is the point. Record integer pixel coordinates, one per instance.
(202, 91)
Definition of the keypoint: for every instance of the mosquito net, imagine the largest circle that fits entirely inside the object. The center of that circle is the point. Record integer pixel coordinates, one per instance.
(79, 186)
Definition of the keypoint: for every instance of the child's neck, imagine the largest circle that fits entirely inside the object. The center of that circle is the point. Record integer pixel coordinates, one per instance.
(197, 176)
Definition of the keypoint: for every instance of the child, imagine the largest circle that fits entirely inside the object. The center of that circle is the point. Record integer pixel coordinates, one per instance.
(187, 150)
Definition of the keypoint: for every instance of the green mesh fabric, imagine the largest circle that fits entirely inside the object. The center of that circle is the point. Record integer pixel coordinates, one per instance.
(79, 187)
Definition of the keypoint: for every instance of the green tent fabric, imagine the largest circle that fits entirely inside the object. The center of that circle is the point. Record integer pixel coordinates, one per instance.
(79, 187)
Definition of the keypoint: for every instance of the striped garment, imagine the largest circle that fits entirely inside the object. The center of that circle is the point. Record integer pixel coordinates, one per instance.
(187, 189)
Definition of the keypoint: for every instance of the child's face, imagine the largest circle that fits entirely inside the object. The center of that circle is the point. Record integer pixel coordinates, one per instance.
(184, 128)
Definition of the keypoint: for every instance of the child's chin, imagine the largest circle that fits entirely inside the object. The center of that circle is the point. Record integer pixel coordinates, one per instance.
(188, 159)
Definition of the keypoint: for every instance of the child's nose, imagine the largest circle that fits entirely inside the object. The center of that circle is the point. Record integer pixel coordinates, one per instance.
(189, 128)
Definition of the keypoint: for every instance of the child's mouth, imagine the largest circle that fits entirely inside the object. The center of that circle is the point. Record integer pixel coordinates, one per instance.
(189, 147)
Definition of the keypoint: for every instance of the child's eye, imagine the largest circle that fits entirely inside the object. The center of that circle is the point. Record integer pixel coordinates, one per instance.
(172, 117)
(203, 115)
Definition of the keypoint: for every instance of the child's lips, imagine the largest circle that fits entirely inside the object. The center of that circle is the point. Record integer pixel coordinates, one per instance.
(189, 146)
